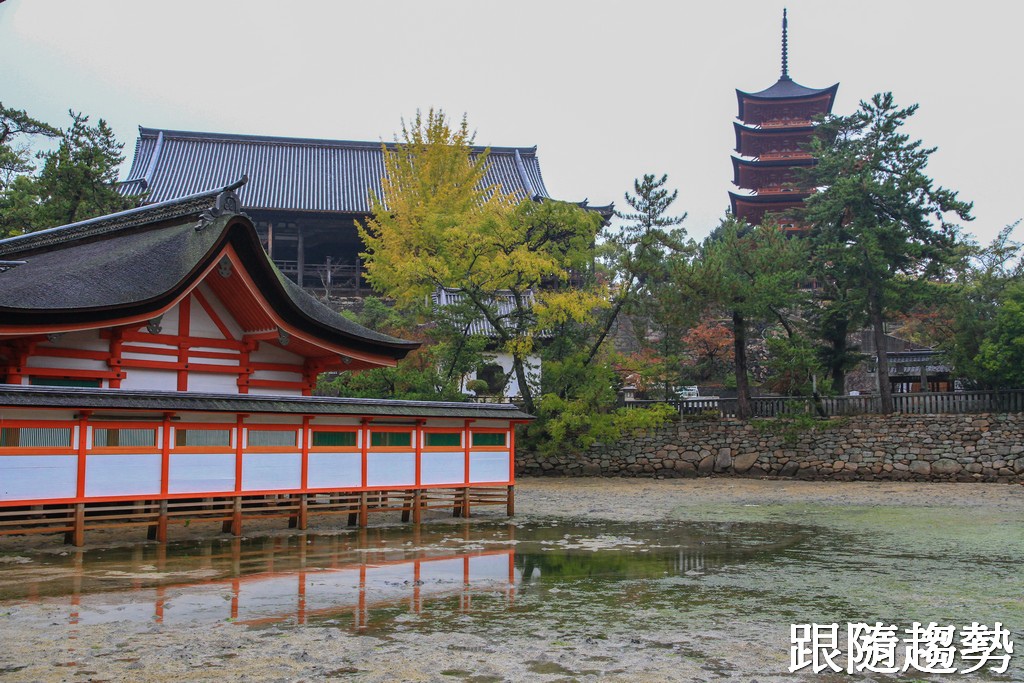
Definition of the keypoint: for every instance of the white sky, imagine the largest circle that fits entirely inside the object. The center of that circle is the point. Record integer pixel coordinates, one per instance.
(607, 90)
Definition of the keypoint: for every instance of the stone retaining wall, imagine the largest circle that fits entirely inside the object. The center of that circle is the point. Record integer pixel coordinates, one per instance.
(984, 447)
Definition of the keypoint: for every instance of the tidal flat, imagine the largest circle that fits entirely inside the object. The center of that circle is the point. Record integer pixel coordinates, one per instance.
(594, 579)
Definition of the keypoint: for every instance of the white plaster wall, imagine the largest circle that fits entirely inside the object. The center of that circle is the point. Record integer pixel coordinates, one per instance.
(488, 466)
(31, 477)
(212, 383)
(222, 312)
(200, 323)
(270, 391)
(277, 375)
(335, 470)
(122, 474)
(168, 323)
(447, 467)
(391, 469)
(229, 362)
(201, 473)
(267, 353)
(532, 366)
(271, 471)
(151, 380)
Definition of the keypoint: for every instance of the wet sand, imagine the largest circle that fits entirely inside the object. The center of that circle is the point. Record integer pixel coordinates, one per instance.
(41, 642)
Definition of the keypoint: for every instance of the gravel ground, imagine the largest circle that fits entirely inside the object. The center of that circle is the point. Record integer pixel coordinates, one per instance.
(41, 642)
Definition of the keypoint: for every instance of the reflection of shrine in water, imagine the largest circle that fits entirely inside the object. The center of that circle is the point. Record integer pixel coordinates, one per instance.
(341, 579)
(298, 578)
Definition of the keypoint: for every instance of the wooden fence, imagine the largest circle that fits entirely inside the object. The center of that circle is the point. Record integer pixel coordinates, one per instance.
(955, 402)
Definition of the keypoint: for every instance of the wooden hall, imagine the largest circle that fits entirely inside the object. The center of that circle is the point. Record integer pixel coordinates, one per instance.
(157, 368)
(305, 195)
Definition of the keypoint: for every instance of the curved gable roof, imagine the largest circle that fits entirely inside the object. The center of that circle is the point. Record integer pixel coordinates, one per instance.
(139, 261)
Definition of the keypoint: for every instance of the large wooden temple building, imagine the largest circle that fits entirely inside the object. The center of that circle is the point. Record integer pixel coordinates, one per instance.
(155, 367)
(772, 129)
(304, 195)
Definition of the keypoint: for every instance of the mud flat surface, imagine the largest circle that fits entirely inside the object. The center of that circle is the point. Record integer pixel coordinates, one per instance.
(595, 579)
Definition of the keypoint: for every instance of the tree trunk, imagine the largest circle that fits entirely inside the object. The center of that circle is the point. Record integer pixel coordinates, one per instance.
(882, 364)
(524, 388)
(837, 370)
(739, 335)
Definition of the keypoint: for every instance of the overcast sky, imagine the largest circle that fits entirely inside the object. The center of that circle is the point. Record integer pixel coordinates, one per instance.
(608, 91)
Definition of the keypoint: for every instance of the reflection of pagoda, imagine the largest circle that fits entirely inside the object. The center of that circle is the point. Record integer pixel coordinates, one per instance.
(773, 126)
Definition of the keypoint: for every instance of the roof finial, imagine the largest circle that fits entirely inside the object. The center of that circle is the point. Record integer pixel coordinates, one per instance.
(785, 46)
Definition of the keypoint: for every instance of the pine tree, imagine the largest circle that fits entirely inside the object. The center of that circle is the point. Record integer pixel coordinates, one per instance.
(877, 220)
(78, 179)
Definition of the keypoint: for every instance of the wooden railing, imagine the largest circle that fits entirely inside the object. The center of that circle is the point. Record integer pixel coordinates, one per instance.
(332, 278)
(948, 403)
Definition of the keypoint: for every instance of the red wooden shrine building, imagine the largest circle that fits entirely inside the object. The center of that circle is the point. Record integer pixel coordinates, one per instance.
(156, 367)
(774, 124)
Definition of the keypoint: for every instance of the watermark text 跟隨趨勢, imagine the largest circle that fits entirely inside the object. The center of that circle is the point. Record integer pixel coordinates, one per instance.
(884, 648)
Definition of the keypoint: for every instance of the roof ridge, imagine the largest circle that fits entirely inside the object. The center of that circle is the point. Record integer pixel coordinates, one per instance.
(126, 394)
(312, 142)
(172, 208)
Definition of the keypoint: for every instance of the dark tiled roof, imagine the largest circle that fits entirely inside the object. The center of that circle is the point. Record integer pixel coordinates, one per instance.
(121, 399)
(785, 89)
(503, 305)
(138, 261)
(292, 173)
(768, 199)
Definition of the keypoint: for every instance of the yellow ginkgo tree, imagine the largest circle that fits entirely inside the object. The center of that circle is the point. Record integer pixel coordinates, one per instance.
(439, 225)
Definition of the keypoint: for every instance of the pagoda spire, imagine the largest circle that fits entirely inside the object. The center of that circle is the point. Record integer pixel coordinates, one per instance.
(785, 46)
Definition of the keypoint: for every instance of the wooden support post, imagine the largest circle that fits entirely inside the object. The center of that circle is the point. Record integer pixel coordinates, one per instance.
(301, 257)
(510, 502)
(303, 511)
(236, 517)
(161, 522)
(151, 529)
(364, 511)
(293, 519)
(76, 536)
(417, 506)
(407, 502)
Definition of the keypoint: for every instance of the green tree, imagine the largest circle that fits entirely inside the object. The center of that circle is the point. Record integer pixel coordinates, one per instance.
(638, 254)
(753, 274)
(78, 179)
(432, 372)
(437, 225)
(874, 217)
(1000, 358)
(966, 316)
(17, 129)
(18, 196)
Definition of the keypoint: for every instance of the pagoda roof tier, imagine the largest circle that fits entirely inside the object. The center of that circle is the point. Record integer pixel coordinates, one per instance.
(785, 91)
(748, 138)
(131, 267)
(752, 208)
(745, 170)
(782, 112)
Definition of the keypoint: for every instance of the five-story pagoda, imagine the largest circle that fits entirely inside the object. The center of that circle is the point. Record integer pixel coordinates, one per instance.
(773, 127)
